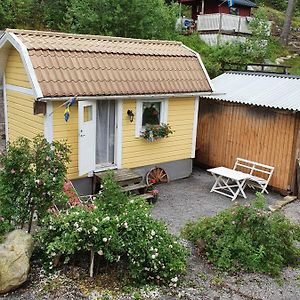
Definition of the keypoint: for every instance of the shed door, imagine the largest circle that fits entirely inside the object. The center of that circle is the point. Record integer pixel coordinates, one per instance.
(87, 136)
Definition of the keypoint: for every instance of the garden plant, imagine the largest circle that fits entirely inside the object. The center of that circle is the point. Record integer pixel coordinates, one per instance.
(247, 237)
(31, 180)
(117, 228)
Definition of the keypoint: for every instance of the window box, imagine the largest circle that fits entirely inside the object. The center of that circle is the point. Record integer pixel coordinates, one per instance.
(153, 133)
(150, 113)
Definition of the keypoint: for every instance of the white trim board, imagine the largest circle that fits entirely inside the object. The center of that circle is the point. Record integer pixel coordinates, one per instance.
(119, 132)
(19, 89)
(5, 110)
(48, 122)
(195, 127)
(20, 47)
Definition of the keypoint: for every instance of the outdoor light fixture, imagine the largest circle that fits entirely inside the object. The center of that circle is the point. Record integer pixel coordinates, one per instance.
(130, 115)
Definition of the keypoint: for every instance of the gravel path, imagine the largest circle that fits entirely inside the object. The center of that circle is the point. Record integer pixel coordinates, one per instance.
(179, 201)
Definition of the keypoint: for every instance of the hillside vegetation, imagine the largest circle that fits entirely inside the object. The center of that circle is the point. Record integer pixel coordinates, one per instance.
(153, 19)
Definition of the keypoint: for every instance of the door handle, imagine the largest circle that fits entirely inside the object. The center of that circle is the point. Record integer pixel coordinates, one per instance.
(81, 133)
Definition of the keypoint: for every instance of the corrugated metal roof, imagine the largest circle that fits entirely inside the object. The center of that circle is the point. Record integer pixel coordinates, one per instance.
(262, 89)
(85, 65)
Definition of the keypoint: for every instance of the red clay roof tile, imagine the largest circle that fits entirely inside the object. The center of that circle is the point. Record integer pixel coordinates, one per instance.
(71, 64)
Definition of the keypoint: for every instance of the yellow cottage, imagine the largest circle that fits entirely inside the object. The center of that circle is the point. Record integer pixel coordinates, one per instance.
(114, 82)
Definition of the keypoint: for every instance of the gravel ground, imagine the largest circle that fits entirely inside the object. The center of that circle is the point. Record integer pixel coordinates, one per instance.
(181, 200)
(189, 199)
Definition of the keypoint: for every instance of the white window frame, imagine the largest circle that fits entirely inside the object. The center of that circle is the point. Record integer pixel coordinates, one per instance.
(139, 113)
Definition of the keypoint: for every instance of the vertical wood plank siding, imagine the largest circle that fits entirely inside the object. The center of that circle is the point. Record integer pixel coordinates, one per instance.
(137, 152)
(21, 121)
(67, 131)
(227, 131)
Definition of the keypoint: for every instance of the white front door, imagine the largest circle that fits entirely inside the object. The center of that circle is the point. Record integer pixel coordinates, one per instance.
(87, 136)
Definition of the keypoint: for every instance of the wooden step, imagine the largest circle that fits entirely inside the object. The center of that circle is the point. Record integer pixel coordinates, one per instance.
(134, 187)
(124, 177)
(146, 196)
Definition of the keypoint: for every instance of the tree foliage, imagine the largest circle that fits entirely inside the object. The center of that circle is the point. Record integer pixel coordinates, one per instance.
(126, 18)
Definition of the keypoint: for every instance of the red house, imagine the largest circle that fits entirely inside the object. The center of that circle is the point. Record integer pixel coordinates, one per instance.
(200, 7)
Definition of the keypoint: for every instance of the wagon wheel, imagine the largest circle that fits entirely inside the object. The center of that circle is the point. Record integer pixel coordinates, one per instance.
(159, 175)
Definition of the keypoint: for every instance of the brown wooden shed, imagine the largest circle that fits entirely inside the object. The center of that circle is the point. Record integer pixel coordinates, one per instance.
(257, 118)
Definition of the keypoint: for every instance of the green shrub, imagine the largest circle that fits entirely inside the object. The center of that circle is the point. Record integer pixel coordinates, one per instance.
(247, 237)
(118, 228)
(31, 178)
(5, 227)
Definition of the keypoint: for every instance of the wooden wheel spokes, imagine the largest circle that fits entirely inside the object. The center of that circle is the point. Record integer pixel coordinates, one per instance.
(157, 175)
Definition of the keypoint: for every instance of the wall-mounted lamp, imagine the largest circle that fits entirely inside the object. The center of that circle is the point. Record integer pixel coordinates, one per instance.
(130, 115)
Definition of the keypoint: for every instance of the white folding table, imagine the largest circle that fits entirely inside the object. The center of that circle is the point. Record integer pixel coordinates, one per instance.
(230, 183)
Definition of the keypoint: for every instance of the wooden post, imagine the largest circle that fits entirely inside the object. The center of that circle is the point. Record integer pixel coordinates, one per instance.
(239, 26)
(294, 169)
(202, 8)
(220, 28)
(298, 178)
(92, 263)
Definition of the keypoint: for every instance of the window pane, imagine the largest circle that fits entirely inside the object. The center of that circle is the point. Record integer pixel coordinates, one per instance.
(87, 113)
(151, 113)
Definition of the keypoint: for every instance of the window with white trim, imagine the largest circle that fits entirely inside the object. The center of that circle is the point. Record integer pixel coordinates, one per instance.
(152, 112)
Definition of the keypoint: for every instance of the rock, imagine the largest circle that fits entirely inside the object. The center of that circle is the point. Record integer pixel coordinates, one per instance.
(200, 244)
(15, 254)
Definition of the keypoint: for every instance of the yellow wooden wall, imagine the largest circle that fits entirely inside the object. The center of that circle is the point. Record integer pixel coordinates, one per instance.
(227, 131)
(67, 131)
(15, 72)
(138, 152)
(21, 121)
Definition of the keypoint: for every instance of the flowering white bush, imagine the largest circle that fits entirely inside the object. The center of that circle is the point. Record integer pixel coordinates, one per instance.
(118, 228)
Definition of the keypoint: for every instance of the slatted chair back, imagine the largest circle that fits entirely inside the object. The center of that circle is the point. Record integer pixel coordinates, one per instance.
(261, 173)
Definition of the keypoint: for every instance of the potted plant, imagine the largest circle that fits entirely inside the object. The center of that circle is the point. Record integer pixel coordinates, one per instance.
(153, 133)
(153, 191)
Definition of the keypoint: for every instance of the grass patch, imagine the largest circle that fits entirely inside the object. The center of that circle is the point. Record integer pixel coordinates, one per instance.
(278, 17)
(295, 64)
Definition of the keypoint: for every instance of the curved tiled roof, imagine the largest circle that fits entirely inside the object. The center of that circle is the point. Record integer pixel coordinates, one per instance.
(71, 64)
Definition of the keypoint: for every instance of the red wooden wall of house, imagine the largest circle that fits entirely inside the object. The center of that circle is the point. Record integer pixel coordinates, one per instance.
(212, 6)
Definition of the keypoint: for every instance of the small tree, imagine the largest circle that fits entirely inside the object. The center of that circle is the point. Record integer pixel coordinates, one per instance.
(257, 43)
(287, 22)
(31, 179)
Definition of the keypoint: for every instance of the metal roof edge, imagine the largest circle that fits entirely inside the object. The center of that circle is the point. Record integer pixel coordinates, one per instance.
(250, 104)
(262, 74)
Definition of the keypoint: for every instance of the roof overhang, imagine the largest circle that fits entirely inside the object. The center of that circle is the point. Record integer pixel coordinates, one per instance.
(125, 97)
(8, 40)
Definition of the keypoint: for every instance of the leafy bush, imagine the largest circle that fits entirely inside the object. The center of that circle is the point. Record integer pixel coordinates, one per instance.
(247, 237)
(118, 228)
(5, 226)
(31, 178)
